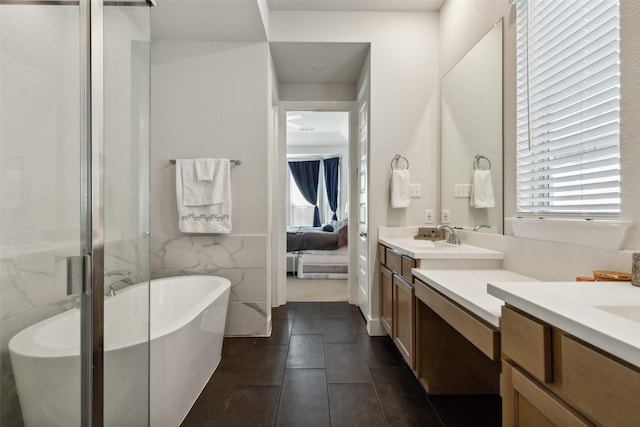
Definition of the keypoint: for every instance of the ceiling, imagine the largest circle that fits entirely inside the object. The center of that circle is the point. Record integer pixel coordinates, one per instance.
(318, 63)
(207, 20)
(314, 128)
(242, 20)
(356, 5)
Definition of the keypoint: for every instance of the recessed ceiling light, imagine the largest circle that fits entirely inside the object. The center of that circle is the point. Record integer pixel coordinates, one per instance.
(319, 66)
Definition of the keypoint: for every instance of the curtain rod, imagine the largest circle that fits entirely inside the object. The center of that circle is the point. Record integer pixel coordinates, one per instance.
(235, 162)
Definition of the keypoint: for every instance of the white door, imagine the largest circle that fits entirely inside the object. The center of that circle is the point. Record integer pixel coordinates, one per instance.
(363, 239)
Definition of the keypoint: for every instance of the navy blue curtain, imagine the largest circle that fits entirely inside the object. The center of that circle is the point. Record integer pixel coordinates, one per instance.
(305, 174)
(331, 183)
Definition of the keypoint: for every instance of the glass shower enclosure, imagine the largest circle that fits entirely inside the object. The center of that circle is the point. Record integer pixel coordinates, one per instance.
(74, 212)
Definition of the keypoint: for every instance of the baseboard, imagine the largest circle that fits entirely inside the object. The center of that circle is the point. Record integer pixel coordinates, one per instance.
(374, 328)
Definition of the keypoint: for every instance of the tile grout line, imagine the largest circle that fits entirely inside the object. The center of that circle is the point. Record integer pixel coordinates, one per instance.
(373, 384)
(326, 375)
(284, 372)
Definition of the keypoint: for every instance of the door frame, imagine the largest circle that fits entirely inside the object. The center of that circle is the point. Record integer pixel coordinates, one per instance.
(279, 258)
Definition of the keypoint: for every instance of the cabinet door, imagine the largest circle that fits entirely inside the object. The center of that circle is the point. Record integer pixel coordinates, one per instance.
(386, 299)
(408, 263)
(527, 403)
(403, 318)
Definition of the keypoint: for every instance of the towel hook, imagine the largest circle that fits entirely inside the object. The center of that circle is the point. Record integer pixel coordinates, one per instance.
(397, 158)
(476, 162)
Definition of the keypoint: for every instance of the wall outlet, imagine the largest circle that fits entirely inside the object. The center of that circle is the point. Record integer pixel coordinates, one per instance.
(445, 216)
(462, 190)
(414, 190)
(428, 216)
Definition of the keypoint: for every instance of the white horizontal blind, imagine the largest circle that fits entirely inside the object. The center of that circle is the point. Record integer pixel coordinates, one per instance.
(568, 107)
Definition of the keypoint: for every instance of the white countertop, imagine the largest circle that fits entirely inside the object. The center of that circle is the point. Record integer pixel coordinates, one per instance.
(604, 314)
(426, 249)
(469, 288)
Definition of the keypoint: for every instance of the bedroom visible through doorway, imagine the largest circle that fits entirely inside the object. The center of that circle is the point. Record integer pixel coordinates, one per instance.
(317, 195)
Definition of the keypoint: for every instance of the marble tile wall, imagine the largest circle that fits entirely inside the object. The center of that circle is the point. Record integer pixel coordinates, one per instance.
(241, 259)
(33, 287)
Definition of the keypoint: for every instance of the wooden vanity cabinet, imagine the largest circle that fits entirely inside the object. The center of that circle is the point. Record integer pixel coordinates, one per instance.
(386, 299)
(397, 300)
(550, 378)
(404, 318)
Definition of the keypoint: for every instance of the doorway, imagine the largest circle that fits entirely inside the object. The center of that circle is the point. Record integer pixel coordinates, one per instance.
(316, 204)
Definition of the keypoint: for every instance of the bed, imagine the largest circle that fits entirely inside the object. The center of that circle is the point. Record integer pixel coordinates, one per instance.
(318, 252)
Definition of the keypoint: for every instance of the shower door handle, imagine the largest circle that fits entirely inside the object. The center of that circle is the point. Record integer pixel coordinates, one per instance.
(78, 274)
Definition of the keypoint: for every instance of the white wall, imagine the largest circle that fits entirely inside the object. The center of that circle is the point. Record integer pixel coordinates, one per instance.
(212, 99)
(405, 100)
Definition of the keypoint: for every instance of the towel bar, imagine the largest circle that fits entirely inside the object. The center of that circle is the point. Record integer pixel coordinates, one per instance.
(235, 162)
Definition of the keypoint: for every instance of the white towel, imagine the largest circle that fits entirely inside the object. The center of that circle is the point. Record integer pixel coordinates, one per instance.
(400, 188)
(203, 206)
(482, 190)
(204, 169)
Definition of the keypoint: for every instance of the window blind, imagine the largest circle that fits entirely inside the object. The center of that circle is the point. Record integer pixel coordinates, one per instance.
(568, 107)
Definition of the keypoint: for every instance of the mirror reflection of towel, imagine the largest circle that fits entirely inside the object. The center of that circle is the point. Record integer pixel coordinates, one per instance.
(400, 188)
(482, 190)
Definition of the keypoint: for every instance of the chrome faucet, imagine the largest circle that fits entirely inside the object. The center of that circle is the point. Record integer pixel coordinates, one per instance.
(478, 227)
(120, 284)
(453, 238)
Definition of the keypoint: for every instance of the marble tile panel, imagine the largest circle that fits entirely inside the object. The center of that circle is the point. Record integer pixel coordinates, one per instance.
(246, 319)
(235, 252)
(182, 252)
(247, 284)
(26, 283)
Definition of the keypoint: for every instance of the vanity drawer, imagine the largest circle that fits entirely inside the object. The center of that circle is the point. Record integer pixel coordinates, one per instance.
(483, 337)
(394, 260)
(408, 263)
(382, 254)
(527, 342)
(600, 387)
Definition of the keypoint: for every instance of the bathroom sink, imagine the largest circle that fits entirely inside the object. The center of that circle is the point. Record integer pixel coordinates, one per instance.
(439, 249)
(629, 312)
(418, 243)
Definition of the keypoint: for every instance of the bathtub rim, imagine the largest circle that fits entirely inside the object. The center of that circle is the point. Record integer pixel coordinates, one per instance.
(23, 343)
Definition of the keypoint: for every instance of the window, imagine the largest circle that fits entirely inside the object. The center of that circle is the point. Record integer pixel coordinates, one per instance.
(300, 211)
(568, 108)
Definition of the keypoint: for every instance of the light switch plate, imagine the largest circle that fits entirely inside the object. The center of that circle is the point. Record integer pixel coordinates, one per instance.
(462, 190)
(414, 190)
(445, 216)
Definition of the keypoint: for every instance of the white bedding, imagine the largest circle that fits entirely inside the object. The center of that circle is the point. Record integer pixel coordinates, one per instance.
(319, 264)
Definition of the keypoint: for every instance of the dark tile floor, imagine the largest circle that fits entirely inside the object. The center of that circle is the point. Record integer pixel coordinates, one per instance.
(320, 368)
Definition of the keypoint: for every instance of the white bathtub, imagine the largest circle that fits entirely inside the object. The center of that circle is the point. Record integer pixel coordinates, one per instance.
(186, 324)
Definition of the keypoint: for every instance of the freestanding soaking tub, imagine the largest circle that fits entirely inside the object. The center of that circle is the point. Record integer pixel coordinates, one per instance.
(168, 355)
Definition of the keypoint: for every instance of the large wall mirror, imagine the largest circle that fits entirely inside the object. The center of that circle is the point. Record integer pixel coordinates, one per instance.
(472, 137)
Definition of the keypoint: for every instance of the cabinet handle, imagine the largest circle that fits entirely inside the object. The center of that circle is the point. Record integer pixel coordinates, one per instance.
(363, 234)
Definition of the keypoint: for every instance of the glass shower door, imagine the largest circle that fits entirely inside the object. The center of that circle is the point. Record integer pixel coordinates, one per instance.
(126, 215)
(74, 141)
(43, 213)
